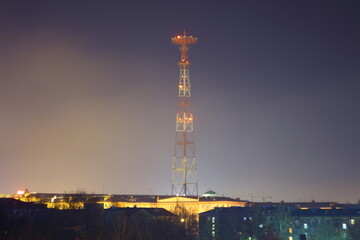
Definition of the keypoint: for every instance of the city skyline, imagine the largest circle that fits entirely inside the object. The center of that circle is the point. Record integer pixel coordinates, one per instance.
(89, 93)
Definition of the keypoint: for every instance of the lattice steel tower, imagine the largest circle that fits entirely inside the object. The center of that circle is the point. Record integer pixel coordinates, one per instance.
(184, 166)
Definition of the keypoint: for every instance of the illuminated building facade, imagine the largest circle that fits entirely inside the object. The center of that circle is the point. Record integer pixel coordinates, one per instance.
(194, 205)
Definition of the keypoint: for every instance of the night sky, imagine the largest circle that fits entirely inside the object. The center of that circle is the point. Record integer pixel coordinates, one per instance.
(88, 96)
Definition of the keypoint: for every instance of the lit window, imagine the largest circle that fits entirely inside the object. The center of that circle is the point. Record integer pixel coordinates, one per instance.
(344, 226)
(290, 230)
(305, 226)
(213, 219)
(290, 238)
(352, 221)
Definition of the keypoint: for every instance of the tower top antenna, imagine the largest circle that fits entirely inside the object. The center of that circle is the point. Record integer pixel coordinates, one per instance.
(183, 42)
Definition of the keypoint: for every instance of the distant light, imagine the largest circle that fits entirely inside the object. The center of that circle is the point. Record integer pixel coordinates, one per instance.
(178, 36)
(182, 220)
(20, 192)
(53, 198)
(344, 226)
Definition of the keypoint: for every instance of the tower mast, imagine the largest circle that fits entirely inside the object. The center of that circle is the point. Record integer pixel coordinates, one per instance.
(184, 166)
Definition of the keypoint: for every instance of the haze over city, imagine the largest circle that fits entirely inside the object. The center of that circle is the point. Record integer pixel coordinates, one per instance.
(88, 97)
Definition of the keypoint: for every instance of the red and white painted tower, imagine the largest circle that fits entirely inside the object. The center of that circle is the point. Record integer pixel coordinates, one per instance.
(184, 166)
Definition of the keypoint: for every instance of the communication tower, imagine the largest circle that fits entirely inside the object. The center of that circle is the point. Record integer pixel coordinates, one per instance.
(184, 166)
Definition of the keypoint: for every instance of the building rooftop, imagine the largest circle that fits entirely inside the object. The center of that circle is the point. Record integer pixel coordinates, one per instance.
(150, 212)
(349, 212)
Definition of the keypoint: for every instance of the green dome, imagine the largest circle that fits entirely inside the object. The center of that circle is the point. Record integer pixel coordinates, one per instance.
(210, 193)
